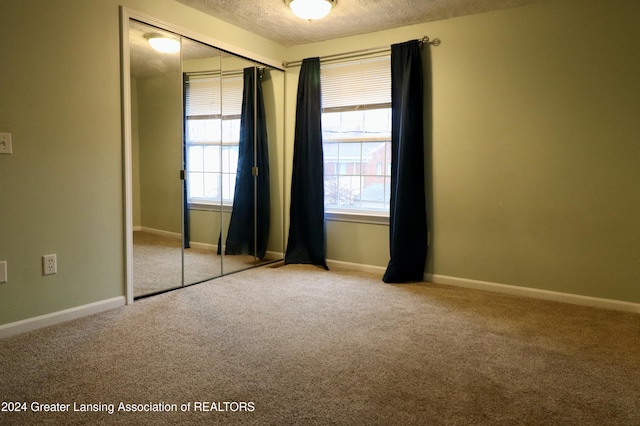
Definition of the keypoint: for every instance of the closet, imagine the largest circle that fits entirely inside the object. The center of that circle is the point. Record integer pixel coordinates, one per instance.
(203, 148)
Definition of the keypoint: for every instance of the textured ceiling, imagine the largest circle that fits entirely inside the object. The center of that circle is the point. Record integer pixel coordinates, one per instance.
(272, 19)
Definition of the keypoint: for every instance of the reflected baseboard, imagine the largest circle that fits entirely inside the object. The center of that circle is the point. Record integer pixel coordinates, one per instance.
(168, 234)
(270, 254)
(203, 246)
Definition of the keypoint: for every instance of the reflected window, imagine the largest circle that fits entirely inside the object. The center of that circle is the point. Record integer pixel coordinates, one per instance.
(212, 134)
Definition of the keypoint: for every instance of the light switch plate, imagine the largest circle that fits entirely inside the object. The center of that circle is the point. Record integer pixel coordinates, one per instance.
(5, 143)
(3, 271)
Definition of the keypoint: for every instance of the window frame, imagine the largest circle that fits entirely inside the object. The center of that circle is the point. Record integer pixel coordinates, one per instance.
(204, 203)
(359, 215)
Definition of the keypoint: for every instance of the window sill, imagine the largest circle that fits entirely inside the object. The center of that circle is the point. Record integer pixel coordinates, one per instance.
(211, 207)
(370, 218)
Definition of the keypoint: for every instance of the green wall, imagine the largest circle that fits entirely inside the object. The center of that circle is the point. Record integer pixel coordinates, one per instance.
(534, 147)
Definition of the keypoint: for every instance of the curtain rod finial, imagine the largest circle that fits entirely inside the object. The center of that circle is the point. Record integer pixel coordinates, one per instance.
(426, 40)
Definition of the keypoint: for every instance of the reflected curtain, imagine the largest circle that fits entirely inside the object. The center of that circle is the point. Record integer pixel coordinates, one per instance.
(306, 243)
(407, 215)
(243, 237)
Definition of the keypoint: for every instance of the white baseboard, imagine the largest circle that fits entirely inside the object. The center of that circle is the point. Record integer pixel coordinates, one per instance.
(214, 248)
(360, 267)
(274, 254)
(203, 246)
(169, 234)
(535, 293)
(196, 244)
(41, 321)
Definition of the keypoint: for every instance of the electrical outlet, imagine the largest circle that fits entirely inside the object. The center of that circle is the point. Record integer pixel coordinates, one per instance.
(5, 143)
(3, 271)
(49, 264)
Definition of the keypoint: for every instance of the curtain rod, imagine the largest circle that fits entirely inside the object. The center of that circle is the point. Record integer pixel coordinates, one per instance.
(226, 73)
(380, 49)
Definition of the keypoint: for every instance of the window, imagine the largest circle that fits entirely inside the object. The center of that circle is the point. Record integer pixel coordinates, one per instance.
(356, 129)
(212, 135)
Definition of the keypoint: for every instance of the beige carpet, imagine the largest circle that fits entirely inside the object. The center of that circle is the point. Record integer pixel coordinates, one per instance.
(300, 345)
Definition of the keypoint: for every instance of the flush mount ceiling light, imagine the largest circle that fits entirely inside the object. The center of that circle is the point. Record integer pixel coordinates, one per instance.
(162, 43)
(311, 9)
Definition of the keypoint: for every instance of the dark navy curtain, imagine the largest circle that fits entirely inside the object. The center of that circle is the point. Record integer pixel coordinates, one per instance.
(306, 242)
(251, 194)
(407, 216)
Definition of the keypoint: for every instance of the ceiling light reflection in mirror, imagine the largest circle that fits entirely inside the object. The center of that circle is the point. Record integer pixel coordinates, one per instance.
(162, 43)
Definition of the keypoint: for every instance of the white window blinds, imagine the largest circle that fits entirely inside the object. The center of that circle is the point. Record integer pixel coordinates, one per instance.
(356, 83)
(205, 96)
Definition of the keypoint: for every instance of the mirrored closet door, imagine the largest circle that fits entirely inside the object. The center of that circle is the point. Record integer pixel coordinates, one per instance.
(156, 134)
(204, 190)
(205, 142)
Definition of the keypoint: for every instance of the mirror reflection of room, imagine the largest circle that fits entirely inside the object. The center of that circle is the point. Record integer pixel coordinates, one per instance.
(227, 163)
(203, 114)
(156, 157)
(203, 197)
